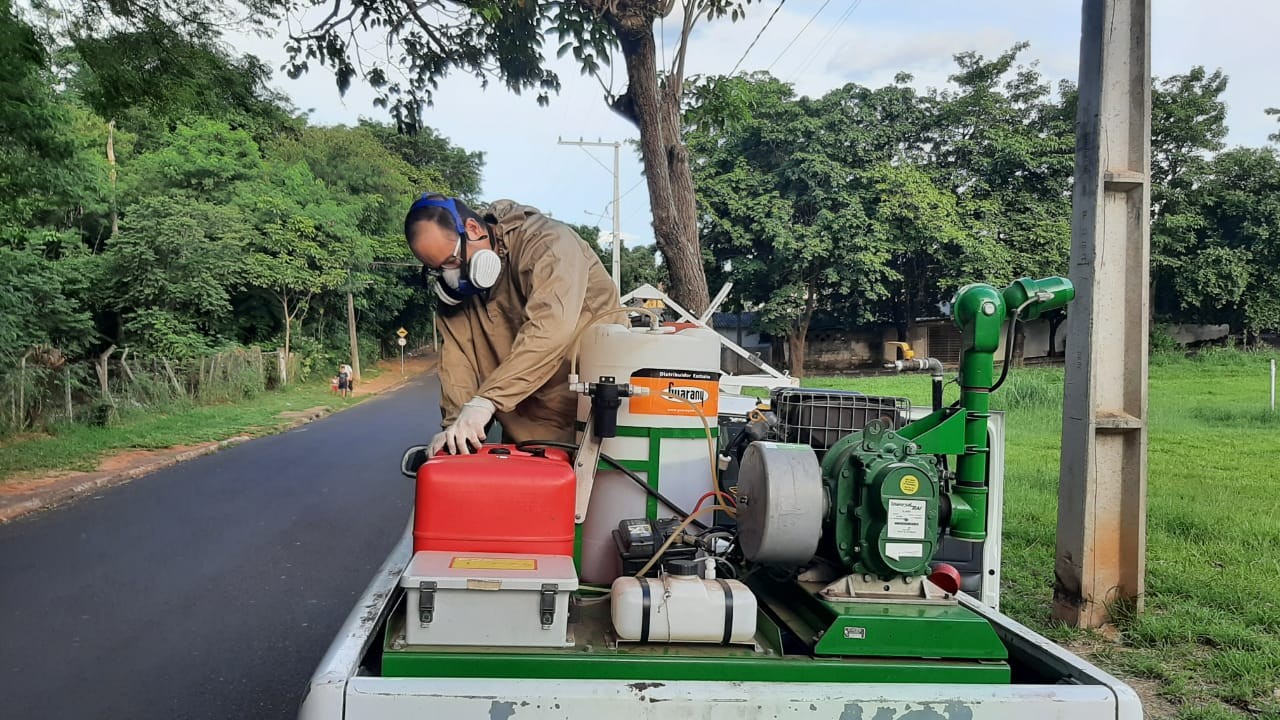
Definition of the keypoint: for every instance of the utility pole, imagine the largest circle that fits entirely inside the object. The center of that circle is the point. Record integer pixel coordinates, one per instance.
(1102, 505)
(351, 324)
(351, 330)
(617, 217)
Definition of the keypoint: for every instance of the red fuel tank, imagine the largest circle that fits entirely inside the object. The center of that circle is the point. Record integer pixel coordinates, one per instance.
(498, 500)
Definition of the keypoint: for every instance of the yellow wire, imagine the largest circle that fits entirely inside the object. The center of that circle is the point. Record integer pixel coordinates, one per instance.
(711, 448)
(679, 529)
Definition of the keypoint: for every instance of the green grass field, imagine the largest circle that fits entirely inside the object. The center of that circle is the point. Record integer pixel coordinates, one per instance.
(1209, 640)
(79, 447)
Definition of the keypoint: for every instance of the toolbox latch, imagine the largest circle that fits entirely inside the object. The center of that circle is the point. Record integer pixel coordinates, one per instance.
(547, 604)
(426, 601)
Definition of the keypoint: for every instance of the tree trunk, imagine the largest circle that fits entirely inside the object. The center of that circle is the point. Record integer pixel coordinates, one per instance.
(655, 110)
(111, 160)
(796, 349)
(1019, 344)
(1055, 322)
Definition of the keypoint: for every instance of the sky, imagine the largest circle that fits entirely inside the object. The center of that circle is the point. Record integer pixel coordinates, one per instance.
(859, 41)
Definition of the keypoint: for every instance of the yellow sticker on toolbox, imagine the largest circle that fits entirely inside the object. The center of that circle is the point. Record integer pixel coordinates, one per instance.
(910, 484)
(475, 563)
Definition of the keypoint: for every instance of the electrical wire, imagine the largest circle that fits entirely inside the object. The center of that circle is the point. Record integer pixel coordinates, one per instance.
(797, 37)
(711, 448)
(674, 535)
(747, 52)
(1008, 342)
(821, 44)
(704, 498)
(657, 495)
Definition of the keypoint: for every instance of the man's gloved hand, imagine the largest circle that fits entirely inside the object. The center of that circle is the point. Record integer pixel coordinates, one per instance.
(468, 430)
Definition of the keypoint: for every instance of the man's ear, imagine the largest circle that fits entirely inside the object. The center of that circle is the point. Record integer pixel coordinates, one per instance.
(474, 229)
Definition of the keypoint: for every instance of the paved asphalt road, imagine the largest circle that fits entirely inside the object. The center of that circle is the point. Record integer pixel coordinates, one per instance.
(210, 589)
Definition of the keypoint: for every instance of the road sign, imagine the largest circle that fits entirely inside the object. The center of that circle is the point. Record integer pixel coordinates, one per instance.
(402, 332)
(401, 342)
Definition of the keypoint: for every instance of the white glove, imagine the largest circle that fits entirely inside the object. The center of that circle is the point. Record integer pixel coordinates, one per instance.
(468, 429)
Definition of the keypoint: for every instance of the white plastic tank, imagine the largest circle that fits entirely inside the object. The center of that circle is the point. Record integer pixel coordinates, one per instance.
(683, 609)
(654, 432)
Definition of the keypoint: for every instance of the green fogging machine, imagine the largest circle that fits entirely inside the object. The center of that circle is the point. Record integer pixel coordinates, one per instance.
(822, 563)
(859, 530)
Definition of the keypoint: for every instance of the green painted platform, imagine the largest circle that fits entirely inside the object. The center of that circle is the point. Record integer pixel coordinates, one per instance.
(595, 656)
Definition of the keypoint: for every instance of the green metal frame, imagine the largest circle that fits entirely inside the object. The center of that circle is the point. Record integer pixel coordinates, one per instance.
(882, 629)
(593, 658)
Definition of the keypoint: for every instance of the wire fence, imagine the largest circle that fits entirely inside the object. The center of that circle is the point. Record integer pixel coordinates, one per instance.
(41, 390)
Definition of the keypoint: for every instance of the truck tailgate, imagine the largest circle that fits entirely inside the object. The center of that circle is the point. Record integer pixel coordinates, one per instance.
(370, 698)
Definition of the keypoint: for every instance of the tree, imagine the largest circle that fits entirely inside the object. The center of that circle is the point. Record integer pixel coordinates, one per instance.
(1228, 272)
(161, 75)
(935, 248)
(640, 264)
(1004, 147)
(784, 215)
(172, 272)
(43, 270)
(1188, 125)
(503, 39)
(298, 251)
(433, 157)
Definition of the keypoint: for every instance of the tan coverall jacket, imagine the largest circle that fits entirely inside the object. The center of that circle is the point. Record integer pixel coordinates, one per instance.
(513, 348)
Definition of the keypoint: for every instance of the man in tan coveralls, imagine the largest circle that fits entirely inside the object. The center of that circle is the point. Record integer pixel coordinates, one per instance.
(515, 287)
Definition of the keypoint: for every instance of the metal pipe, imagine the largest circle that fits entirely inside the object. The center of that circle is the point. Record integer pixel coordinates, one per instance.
(979, 311)
(932, 365)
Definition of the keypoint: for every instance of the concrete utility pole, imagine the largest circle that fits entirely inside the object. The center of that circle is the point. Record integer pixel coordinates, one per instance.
(351, 330)
(617, 218)
(1102, 495)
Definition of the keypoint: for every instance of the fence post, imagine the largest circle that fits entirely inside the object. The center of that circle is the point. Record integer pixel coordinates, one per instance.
(1273, 386)
(66, 383)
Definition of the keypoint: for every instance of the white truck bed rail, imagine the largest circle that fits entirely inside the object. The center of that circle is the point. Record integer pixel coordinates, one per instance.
(339, 691)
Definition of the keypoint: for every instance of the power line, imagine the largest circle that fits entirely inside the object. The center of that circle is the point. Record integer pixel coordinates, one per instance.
(747, 52)
(818, 47)
(797, 37)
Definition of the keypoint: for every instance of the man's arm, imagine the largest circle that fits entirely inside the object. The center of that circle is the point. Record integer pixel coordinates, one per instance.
(458, 377)
(557, 283)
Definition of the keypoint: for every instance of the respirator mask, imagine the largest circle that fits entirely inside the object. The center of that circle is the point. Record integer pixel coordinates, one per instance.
(461, 277)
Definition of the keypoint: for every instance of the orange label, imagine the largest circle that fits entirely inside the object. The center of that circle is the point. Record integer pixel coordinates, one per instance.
(677, 392)
(471, 563)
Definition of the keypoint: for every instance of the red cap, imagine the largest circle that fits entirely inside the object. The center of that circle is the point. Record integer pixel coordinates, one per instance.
(946, 577)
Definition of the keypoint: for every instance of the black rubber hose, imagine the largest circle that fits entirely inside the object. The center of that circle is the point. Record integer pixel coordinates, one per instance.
(619, 467)
(1008, 349)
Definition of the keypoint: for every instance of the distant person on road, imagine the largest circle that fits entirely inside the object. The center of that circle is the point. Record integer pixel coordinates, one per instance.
(514, 287)
(345, 376)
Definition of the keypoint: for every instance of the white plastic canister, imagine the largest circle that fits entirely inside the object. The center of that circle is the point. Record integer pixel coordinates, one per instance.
(683, 608)
(654, 433)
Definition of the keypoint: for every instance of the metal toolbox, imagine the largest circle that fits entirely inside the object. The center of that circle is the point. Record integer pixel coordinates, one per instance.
(488, 599)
